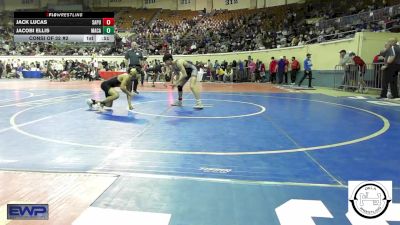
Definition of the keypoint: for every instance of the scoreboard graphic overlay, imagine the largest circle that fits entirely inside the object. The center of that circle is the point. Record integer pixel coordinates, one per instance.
(64, 26)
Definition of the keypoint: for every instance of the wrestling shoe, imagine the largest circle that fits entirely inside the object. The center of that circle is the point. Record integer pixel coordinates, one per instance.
(177, 103)
(100, 107)
(198, 105)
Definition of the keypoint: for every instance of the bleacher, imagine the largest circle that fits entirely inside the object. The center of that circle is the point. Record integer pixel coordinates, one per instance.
(175, 17)
(222, 16)
(125, 17)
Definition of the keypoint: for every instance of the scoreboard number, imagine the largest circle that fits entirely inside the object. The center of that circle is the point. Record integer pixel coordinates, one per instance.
(108, 21)
(108, 30)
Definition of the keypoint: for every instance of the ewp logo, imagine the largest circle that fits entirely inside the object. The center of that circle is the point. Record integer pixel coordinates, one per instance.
(27, 211)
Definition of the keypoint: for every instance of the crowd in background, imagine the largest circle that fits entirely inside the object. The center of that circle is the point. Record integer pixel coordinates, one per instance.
(280, 70)
(201, 34)
(56, 69)
(238, 71)
(261, 30)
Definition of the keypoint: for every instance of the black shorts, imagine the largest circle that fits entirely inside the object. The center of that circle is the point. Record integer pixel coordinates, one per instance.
(189, 75)
(167, 78)
(190, 72)
(105, 86)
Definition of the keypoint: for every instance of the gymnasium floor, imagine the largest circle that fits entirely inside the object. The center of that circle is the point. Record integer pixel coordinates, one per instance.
(254, 148)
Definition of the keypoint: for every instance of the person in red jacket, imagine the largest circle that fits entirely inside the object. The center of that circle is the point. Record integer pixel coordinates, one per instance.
(273, 69)
(361, 67)
(376, 59)
(295, 67)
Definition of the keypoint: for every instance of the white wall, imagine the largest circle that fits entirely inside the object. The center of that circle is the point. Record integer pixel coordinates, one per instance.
(44, 3)
(121, 3)
(164, 4)
(187, 6)
(237, 4)
(253, 4)
(269, 3)
(201, 4)
(295, 1)
(99, 3)
(210, 5)
(260, 4)
(138, 4)
(115, 3)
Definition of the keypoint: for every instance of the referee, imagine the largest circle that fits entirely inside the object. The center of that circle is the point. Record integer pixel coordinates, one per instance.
(134, 59)
(390, 69)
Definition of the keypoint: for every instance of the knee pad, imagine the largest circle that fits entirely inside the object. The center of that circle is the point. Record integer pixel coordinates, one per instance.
(180, 88)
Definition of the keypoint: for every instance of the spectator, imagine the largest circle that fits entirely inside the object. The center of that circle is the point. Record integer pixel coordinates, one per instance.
(50, 71)
(96, 65)
(216, 66)
(378, 59)
(235, 69)
(307, 71)
(224, 65)
(1, 68)
(295, 67)
(361, 68)
(286, 69)
(257, 71)
(200, 73)
(273, 69)
(15, 64)
(19, 71)
(229, 74)
(262, 72)
(252, 69)
(346, 62)
(220, 73)
(281, 70)
(8, 68)
(377, 64)
(241, 70)
(209, 70)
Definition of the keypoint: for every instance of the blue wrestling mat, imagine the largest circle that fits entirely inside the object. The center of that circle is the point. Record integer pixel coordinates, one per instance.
(245, 159)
